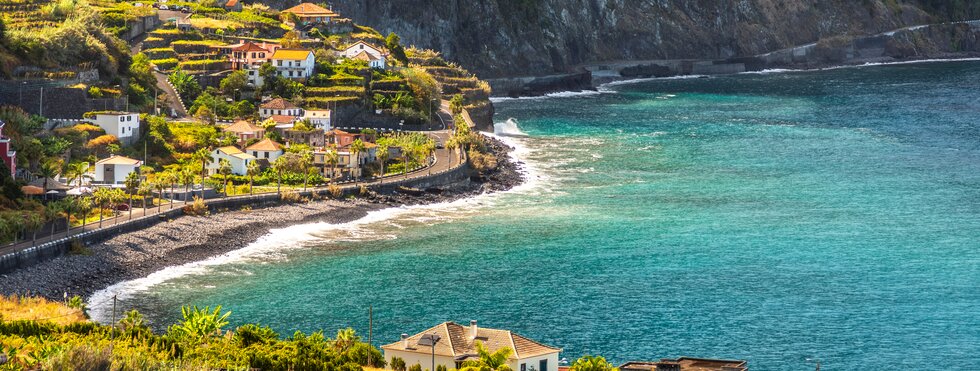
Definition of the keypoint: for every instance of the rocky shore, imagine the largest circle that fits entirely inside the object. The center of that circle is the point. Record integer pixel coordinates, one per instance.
(194, 238)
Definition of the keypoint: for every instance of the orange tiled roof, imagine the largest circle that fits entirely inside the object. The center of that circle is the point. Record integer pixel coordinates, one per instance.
(265, 145)
(118, 160)
(282, 119)
(243, 127)
(457, 342)
(292, 54)
(310, 10)
(278, 103)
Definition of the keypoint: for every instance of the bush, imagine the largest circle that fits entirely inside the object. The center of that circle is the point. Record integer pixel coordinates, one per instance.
(290, 196)
(335, 190)
(198, 207)
(397, 364)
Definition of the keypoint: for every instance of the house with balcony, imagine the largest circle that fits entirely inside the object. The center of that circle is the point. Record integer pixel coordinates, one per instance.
(455, 344)
(123, 125)
(319, 118)
(248, 54)
(309, 14)
(279, 107)
(295, 64)
(265, 149)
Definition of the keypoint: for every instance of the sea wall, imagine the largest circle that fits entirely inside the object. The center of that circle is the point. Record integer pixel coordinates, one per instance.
(457, 176)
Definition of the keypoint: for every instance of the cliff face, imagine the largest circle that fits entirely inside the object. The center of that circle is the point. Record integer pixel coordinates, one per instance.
(534, 37)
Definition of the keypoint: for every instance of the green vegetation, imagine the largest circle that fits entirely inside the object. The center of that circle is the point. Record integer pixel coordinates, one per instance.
(201, 340)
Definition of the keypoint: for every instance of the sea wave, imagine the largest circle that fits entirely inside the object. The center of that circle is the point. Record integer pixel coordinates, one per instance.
(271, 247)
(561, 94)
(868, 64)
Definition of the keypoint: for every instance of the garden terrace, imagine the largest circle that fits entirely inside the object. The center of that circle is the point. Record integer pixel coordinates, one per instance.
(25, 14)
(168, 36)
(204, 65)
(160, 53)
(334, 91)
(390, 84)
(330, 102)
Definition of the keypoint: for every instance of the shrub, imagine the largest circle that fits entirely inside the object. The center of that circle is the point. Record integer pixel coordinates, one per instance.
(397, 364)
(415, 367)
(335, 190)
(290, 196)
(198, 207)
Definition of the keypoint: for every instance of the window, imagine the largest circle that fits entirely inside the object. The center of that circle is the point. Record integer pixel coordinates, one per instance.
(266, 155)
(279, 63)
(543, 365)
(523, 366)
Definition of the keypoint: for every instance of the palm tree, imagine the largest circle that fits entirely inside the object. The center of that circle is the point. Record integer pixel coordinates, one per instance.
(452, 144)
(279, 166)
(203, 156)
(76, 170)
(224, 168)
(304, 164)
(159, 185)
(252, 169)
(48, 170)
(52, 211)
(355, 149)
(330, 157)
(170, 176)
(430, 150)
(383, 156)
(85, 207)
(101, 196)
(345, 339)
(33, 221)
(187, 177)
(493, 361)
(145, 189)
(132, 185)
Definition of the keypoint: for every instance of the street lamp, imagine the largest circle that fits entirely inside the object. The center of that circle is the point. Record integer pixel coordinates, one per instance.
(430, 340)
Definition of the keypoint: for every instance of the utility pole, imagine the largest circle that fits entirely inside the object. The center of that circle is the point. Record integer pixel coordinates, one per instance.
(155, 111)
(40, 106)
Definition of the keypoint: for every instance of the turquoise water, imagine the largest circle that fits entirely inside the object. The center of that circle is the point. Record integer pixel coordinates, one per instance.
(777, 217)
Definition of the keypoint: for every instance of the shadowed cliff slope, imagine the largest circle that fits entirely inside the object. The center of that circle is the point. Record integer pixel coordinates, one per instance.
(534, 37)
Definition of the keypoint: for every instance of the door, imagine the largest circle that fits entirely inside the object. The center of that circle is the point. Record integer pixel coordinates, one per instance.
(543, 365)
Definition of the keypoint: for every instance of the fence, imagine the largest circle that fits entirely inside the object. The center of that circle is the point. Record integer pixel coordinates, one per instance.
(14, 256)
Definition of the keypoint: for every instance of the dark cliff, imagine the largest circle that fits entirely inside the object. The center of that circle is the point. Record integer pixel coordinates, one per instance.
(535, 37)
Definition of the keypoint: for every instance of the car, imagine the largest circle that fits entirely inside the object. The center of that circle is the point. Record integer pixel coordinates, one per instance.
(185, 9)
(163, 7)
(122, 207)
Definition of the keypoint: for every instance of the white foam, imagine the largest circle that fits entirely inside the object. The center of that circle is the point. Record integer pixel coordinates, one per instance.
(606, 86)
(560, 94)
(272, 245)
(868, 64)
(508, 128)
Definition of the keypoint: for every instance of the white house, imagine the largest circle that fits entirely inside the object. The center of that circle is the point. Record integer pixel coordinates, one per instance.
(279, 107)
(123, 125)
(265, 149)
(320, 119)
(457, 344)
(293, 63)
(367, 52)
(239, 160)
(115, 169)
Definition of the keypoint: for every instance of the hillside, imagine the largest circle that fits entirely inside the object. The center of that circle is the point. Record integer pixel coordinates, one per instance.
(535, 37)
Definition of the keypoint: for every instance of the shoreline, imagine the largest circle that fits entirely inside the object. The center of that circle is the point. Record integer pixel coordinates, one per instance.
(189, 239)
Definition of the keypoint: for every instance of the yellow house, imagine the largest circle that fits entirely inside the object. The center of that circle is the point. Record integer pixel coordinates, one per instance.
(457, 344)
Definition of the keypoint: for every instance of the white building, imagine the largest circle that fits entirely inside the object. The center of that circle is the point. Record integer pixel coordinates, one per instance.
(457, 344)
(239, 160)
(279, 107)
(265, 149)
(361, 50)
(320, 119)
(115, 169)
(123, 125)
(293, 63)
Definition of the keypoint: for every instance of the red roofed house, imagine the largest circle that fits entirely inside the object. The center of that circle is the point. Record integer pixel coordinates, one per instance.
(245, 130)
(265, 149)
(233, 6)
(250, 54)
(308, 13)
(457, 344)
(278, 107)
(7, 152)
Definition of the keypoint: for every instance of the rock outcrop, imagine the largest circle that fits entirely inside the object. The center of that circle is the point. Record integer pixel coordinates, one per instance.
(497, 38)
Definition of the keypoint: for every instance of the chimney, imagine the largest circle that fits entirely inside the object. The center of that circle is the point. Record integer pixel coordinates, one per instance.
(473, 329)
(405, 341)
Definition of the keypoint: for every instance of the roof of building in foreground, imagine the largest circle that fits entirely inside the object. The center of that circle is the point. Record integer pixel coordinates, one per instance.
(457, 342)
(687, 364)
(243, 127)
(265, 145)
(118, 160)
(292, 54)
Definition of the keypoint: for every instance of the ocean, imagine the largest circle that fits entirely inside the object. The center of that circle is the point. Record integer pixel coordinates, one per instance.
(777, 217)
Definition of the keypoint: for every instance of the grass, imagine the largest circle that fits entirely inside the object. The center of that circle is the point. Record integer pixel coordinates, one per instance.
(200, 23)
(14, 308)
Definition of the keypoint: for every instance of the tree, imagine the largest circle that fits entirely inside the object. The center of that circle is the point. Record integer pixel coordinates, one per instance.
(76, 170)
(290, 40)
(185, 85)
(200, 323)
(132, 184)
(492, 361)
(397, 364)
(235, 81)
(33, 221)
(424, 87)
(383, 157)
(305, 161)
(48, 170)
(203, 156)
(345, 339)
(456, 104)
(252, 169)
(170, 177)
(592, 363)
(224, 168)
(393, 42)
(355, 149)
(330, 157)
(187, 179)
